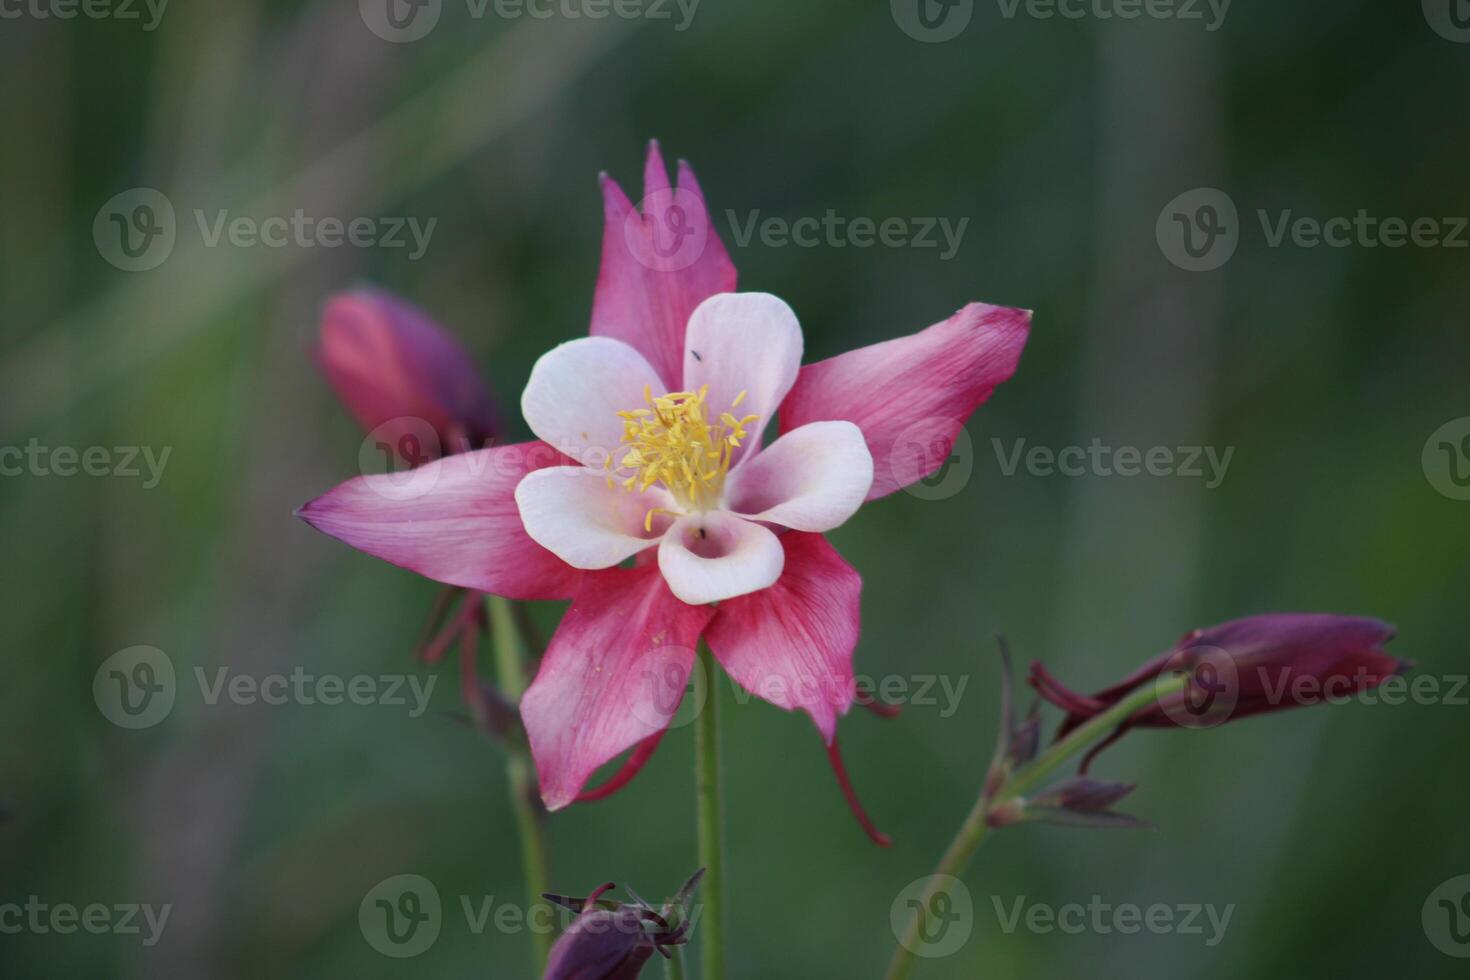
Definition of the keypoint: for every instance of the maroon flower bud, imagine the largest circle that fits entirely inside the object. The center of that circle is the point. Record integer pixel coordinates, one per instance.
(613, 941)
(1241, 668)
(394, 367)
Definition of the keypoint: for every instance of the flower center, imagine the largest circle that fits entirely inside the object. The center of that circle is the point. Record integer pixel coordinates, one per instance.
(673, 441)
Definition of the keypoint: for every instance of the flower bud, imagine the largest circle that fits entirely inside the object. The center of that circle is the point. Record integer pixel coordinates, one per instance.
(1240, 668)
(613, 941)
(390, 363)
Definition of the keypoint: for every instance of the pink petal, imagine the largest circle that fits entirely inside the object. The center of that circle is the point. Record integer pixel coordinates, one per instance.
(792, 644)
(912, 395)
(811, 479)
(575, 514)
(713, 556)
(743, 342)
(659, 261)
(613, 675)
(454, 520)
(576, 392)
(388, 360)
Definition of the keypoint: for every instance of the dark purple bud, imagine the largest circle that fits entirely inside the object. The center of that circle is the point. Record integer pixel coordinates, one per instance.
(1082, 793)
(1244, 667)
(393, 366)
(613, 941)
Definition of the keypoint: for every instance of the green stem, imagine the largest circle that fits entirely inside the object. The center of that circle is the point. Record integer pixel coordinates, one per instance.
(708, 814)
(674, 965)
(972, 833)
(510, 670)
(1085, 734)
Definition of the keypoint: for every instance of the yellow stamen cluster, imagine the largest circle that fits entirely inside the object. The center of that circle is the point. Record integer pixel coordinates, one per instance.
(673, 442)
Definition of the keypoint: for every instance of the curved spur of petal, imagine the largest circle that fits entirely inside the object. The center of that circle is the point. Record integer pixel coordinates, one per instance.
(576, 392)
(748, 342)
(613, 675)
(911, 396)
(454, 520)
(660, 260)
(715, 556)
(834, 756)
(572, 512)
(811, 479)
(387, 360)
(791, 644)
(631, 767)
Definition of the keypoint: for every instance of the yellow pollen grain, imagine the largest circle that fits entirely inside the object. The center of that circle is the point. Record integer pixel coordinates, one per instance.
(674, 442)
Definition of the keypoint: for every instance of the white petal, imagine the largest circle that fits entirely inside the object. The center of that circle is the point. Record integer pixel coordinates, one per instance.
(576, 392)
(748, 342)
(811, 479)
(573, 513)
(716, 555)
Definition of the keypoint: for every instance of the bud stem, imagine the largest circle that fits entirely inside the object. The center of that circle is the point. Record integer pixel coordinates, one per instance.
(507, 632)
(709, 815)
(972, 832)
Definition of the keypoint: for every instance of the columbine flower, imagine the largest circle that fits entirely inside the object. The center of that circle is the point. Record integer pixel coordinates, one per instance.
(1241, 668)
(649, 447)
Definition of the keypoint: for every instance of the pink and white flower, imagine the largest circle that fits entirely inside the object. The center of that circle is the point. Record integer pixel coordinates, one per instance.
(650, 448)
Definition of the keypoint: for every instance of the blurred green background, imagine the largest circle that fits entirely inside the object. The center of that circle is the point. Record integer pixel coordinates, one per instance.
(1059, 140)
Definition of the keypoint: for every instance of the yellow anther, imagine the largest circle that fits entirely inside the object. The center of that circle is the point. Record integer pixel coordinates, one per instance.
(673, 442)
